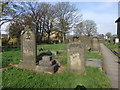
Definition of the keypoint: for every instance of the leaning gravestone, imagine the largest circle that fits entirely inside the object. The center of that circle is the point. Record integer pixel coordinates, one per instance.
(95, 44)
(28, 49)
(76, 57)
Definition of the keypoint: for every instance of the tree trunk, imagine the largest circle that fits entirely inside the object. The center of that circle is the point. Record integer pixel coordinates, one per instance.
(48, 37)
(63, 37)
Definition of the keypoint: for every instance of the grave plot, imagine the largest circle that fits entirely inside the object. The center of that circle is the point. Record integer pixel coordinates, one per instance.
(29, 58)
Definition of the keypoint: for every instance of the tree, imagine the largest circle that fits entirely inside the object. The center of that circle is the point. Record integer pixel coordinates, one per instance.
(65, 13)
(79, 29)
(48, 17)
(9, 12)
(108, 34)
(42, 18)
(90, 27)
(15, 30)
(39, 16)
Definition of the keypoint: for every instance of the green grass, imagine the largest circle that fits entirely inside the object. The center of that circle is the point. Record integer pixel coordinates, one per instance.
(10, 56)
(92, 55)
(19, 78)
(54, 47)
(113, 47)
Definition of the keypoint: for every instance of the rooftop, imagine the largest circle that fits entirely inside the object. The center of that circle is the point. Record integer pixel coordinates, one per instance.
(118, 20)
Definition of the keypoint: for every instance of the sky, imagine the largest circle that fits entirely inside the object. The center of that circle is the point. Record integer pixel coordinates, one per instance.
(103, 13)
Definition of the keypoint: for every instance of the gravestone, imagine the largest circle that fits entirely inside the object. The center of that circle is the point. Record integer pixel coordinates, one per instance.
(66, 41)
(112, 40)
(95, 44)
(116, 40)
(86, 41)
(28, 49)
(75, 57)
(75, 39)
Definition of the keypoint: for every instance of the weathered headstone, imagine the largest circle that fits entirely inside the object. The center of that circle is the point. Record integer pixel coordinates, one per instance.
(95, 44)
(112, 40)
(86, 41)
(28, 49)
(75, 39)
(76, 57)
(67, 41)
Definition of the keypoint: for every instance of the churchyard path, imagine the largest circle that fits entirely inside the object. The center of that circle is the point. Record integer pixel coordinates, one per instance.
(110, 66)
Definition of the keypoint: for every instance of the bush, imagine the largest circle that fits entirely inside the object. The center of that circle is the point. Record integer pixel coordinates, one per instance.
(12, 41)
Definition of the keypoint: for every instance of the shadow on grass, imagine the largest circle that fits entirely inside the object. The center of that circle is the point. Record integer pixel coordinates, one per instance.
(78, 87)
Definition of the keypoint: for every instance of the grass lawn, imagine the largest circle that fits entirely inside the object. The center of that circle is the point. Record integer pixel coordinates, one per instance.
(19, 78)
(90, 55)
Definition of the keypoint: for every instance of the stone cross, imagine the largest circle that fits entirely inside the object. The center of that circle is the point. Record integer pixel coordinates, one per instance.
(28, 49)
(75, 57)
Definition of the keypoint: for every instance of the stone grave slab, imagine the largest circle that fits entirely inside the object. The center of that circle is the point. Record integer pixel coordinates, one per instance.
(95, 44)
(75, 57)
(28, 49)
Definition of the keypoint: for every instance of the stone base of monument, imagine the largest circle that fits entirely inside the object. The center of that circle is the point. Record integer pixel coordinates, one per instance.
(77, 71)
(27, 65)
(47, 65)
(46, 69)
(95, 51)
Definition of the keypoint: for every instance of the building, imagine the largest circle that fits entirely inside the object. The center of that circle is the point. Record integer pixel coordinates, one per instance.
(118, 27)
(55, 36)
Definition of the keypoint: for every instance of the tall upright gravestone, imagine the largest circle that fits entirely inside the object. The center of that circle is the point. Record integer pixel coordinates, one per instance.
(75, 57)
(28, 49)
(95, 44)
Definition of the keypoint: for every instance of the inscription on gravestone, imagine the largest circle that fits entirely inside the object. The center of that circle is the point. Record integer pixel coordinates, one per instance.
(28, 49)
(76, 57)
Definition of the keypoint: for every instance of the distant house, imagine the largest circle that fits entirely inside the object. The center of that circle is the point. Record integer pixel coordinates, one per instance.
(55, 36)
(118, 27)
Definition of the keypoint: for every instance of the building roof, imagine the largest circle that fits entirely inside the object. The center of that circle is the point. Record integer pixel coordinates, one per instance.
(118, 20)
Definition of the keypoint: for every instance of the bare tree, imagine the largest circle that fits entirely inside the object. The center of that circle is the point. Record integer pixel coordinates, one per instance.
(10, 12)
(79, 29)
(90, 27)
(43, 18)
(108, 34)
(65, 13)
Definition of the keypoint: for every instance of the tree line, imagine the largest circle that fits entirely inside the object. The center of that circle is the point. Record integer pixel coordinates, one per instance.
(45, 18)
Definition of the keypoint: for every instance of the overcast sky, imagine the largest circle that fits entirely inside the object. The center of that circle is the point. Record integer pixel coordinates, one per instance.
(103, 13)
